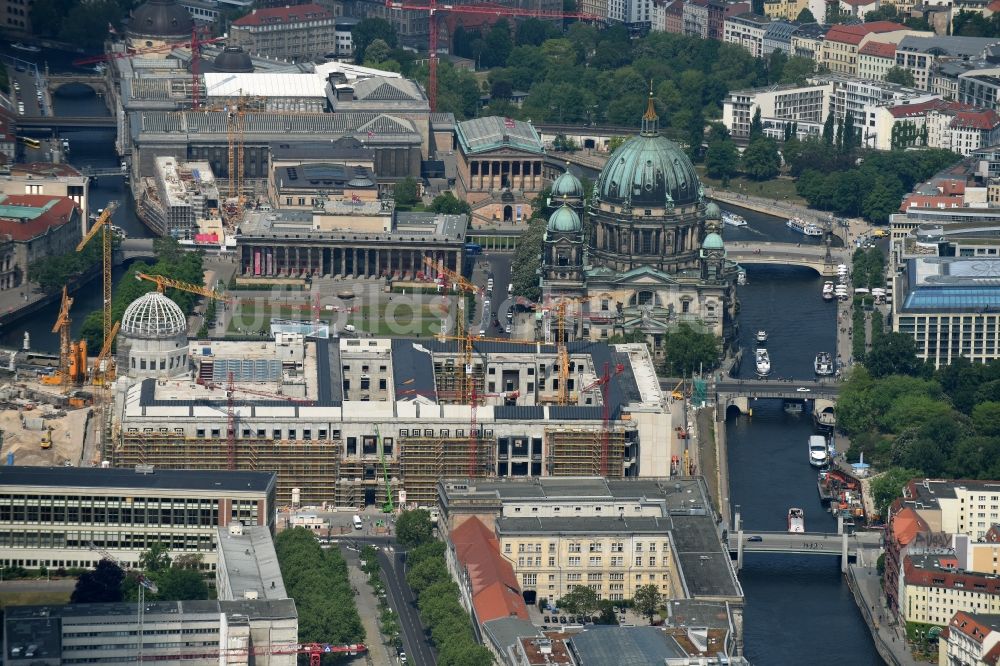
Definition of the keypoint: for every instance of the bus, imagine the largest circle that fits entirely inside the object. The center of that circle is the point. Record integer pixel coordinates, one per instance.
(472, 249)
(28, 141)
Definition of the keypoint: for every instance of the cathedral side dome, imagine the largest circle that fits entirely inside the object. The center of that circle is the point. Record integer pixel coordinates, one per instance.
(713, 241)
(567, 186)
(564, 220)
(713, 212)
(161, 19)
(649, 170)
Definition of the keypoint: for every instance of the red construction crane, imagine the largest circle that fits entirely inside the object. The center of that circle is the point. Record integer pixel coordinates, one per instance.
(231, 390)
(195, 44)
(314, 650)
(482, 9)
(603, 382)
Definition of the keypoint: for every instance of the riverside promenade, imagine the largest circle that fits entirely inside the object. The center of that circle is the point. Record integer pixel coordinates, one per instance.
(889, 637)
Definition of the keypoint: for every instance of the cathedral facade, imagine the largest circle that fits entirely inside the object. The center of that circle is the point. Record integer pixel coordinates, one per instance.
(644, 253)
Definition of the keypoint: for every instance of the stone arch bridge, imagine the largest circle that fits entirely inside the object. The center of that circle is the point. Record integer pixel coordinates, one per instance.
(821, 258)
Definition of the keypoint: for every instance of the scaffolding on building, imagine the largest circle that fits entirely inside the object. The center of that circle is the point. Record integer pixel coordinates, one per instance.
(361, 482)
(577, 452)
(426, 460)
(312, 466)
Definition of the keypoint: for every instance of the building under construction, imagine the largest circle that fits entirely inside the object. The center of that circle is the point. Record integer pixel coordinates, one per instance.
(345, 421)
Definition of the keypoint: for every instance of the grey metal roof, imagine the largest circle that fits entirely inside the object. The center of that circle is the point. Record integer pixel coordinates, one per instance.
(166, 479)
(250, 563)
(368, 124)
(968, 47)
(584, 525)
(386, 89)
(346, 147)
(781, 31)
(505, 631)
(485, 134)
(705, 565)
(412, 370)
(519, 412)
(623, 646)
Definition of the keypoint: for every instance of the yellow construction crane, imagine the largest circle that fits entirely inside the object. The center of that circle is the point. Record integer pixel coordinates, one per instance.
(104, 369)
(465, 379)
(103, 223)
(560, 309)
(162, 282)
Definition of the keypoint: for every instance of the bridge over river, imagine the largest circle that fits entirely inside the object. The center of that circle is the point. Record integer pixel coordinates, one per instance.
(843, 545)
(821, 258)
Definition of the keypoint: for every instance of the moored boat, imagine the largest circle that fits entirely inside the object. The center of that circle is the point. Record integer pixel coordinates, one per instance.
(763, 361)
(25, 47)
(819, 455)
(803, 227)
(828, 291)
(796, 521)
(823, 364)
(761, 336)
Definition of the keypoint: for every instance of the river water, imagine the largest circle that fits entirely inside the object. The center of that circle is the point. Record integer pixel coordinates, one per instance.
(90, 148)
(798, 608)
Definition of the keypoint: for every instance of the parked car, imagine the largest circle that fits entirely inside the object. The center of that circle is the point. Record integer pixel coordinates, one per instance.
(755, 538)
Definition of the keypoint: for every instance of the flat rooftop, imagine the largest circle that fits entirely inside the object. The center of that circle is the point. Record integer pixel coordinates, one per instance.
(251, 564)
(398, 227)
(963, 284)
(159, 479)
(623, 646)
(674, 492)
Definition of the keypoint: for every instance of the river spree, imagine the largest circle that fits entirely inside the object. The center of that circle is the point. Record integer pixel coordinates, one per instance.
(798, 607)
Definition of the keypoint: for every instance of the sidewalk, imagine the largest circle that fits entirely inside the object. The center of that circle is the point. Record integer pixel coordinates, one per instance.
(890, 639)
(378, 653)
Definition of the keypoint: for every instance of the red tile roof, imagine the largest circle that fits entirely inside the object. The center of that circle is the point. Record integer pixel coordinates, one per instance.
(930, 201)
(993, 656)
(879, 49)
(943, 578)
(981, 119)
(27, 216)
(495, 592)
(994, 6)
(964, 623)
(278, 15)
(921, 108)
(906, 524)
(859, 3)
(853, 34)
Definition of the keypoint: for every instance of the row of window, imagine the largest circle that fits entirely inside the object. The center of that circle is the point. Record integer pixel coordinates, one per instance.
(110, 540)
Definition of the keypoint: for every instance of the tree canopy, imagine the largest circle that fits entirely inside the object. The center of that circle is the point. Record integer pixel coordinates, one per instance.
(647, 600)
(103, 584)
(414, 528)
(689, 350)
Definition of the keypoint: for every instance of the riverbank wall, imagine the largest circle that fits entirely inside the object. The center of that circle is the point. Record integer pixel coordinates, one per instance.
(13, 314)
(891, 647)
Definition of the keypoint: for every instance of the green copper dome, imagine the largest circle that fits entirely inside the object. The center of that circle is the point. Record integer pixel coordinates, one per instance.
(713, 212)
(713, 241)
(649, 170)
(564, 220)
(567, 186)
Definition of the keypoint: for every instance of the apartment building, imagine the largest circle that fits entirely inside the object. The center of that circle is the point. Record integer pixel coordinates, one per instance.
(934, 589)
(859, 8)
(875, 59)
(298, 33)
(919, 55)
(807, 105)
(788, 10)
(840, 47)
(53, 516)
(980, 87)
(807, 40)
(746, 30)
(971, 639)
(613, 537)
(694, 18)
(778, 37)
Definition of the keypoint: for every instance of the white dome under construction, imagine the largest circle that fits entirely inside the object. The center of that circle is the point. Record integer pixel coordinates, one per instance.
(153, 315)
(153, 338)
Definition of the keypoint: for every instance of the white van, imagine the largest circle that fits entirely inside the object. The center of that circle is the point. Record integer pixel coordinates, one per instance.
(357, 522)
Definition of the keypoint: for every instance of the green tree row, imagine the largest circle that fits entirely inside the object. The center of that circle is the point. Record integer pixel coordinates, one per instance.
(437, 594)
(833, 181)
(84, 23)
(911, 420)
(51, 273)
(318, 581)
(175, 580)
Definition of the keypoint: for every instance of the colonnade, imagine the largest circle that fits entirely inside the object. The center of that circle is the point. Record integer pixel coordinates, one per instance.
(360, 262)
(491, 175)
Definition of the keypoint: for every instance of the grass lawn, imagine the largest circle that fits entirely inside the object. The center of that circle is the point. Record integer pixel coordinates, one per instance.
(33, 598)
(401, 317)
(779, 189)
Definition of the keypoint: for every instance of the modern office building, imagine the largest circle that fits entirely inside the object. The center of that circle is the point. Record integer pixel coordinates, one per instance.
(193, 633)
(950, 306)
(919, 55)
(54, 517)
(779, 105)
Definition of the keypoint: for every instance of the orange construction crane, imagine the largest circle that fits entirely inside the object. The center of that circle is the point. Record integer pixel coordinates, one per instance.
(603, 382)
(561, 303)
(236, 110)
(434, 9)
(70, 368)
(103, 224)
(162, 282)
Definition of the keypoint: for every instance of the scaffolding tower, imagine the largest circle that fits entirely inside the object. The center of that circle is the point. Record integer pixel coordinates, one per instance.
(426, 460)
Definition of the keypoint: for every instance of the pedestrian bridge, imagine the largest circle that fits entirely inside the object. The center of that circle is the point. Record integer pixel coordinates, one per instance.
(821, 258)
(809, 543)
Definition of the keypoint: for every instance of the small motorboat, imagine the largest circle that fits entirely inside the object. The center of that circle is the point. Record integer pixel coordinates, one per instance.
(828, 291)
(819, 454)
(823, 364)
(761, 336)
(796, 521)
